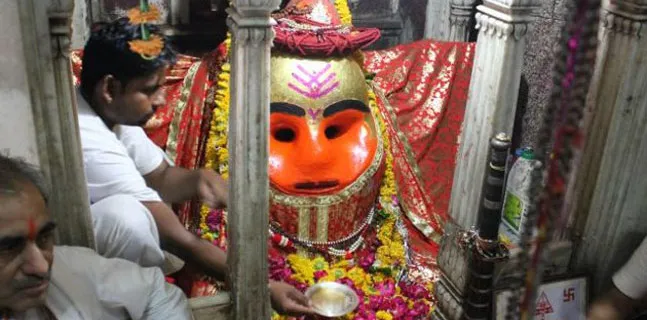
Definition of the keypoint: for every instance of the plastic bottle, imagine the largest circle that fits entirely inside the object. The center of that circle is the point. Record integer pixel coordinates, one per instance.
(516, 191)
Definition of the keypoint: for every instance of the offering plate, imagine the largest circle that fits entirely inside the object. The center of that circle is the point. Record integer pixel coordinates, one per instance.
(331, 299)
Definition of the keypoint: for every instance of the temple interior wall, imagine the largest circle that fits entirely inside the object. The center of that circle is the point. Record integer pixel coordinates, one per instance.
(538, 62)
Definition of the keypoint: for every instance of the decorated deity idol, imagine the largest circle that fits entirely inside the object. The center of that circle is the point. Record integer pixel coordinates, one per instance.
(347, 202)
(362, 152)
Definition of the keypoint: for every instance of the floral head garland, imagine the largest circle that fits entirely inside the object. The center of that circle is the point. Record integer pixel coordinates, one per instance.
(150, 46)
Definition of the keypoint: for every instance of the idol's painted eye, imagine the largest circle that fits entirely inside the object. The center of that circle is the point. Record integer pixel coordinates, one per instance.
(284, 134)
(340, 127)
(332, 132)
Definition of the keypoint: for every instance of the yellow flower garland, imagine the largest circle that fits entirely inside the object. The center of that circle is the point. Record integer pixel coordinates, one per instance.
(344, 11)
(392, 249)
(217, 155)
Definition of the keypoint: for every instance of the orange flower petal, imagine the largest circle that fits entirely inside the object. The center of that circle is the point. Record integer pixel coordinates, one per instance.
(149, 48)
(136, 16)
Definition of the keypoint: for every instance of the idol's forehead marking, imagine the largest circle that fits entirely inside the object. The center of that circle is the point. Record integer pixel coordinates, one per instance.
(316, 83)
(314, 113)
(313, 81)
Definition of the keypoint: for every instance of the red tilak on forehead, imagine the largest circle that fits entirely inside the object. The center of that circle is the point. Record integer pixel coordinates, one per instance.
(31, 224)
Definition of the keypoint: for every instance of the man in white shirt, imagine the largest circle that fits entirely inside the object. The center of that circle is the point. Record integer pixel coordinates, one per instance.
(629, 293)
(39, 280)
(128, 179)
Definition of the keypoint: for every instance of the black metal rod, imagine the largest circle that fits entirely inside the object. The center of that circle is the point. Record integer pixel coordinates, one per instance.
(478, 304)
(489, 216)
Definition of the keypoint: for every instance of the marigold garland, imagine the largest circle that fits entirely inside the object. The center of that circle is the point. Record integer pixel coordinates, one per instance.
(217, 155)
(149, 46)
(344, 11)
(148, 49)
(138, 16)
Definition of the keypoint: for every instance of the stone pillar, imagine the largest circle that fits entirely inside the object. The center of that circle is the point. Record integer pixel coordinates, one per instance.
(179, 12)
(494, 88)
(250, 24)
(53, 106)
(96, 9)
(437, 21)
(609, 202)
(81, 22)
(461, 15)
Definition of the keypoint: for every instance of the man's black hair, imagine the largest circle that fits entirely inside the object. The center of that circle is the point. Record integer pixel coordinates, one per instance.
(15, 173)
(107, 52)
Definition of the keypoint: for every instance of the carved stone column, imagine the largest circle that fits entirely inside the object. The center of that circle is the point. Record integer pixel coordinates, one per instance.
(503, 25)
(437, 19)
(96, 9)
(461, 17)
(81, 22)
(179, 12)
(54, 110)
(250, 25)
(610, 205)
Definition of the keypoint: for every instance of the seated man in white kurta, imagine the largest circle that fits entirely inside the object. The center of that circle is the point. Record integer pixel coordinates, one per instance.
(128, 180)
(39, 280)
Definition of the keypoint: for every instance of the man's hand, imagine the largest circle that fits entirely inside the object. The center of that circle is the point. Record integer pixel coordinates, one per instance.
(604, 310)
(176, 185)
(287, 300)
(212, 189)
(614, 305)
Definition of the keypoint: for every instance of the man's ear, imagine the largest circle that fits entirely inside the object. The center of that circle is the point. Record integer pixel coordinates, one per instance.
(107, 88)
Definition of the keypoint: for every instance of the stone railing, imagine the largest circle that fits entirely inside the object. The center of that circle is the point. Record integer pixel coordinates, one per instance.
(493, 93)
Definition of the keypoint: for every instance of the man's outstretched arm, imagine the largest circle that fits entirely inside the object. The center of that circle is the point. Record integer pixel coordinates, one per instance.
(176, 185)
(179, 241)
(213, 261)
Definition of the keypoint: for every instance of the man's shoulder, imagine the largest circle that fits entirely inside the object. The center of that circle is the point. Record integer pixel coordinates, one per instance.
(127, 132)
(87, 262)
(63, 253)
(86, 258)
(95, 136)
(74, 262)
(90, 124)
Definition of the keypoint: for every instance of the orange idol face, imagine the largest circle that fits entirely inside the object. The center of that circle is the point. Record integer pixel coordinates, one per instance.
(322, 132)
